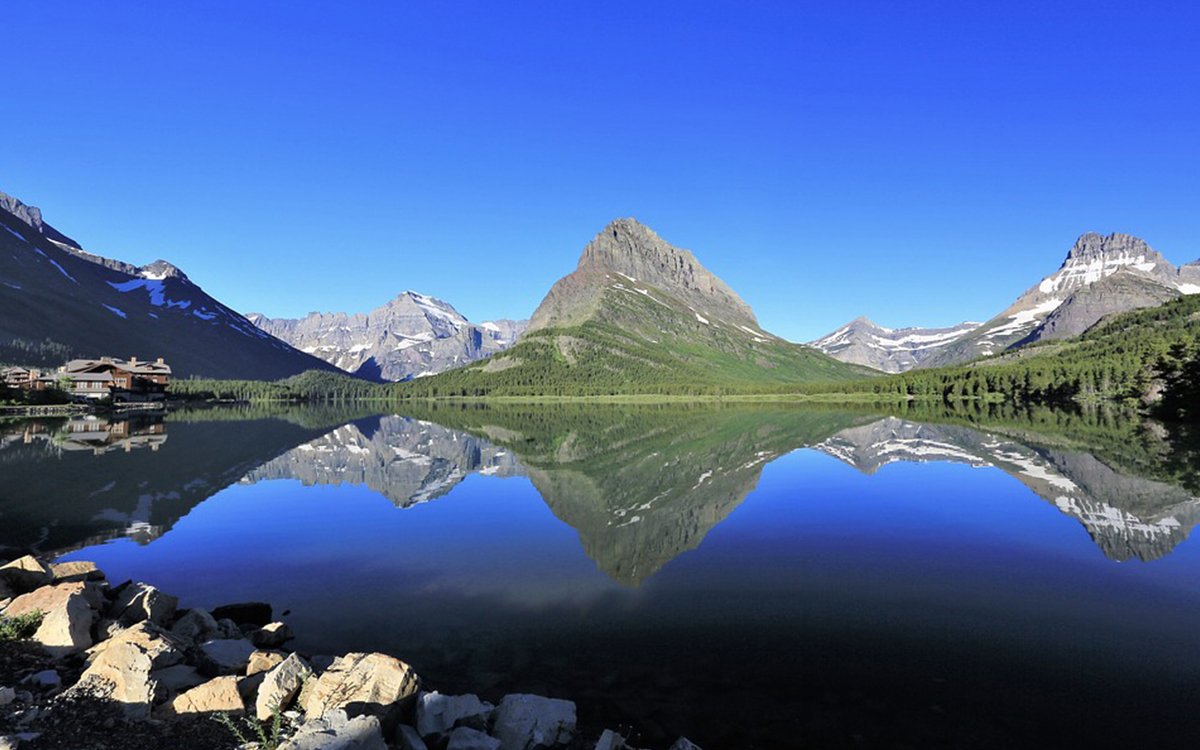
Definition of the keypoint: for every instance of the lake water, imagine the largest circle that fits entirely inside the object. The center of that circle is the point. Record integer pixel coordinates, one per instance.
(766, 577)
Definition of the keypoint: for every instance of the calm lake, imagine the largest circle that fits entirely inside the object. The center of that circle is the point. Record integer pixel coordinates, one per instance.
(750, 577)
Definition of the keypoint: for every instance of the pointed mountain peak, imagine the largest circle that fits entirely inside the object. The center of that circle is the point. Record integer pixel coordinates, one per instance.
(634, 250)
(161, 269)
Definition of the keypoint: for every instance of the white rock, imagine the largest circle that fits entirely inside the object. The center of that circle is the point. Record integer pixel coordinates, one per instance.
(437, 714)
(371, 683)
(336, 732)
(139, 601)
(465, 738)
(528, 722)
(45, 680)
(224, 656)
(218, 695)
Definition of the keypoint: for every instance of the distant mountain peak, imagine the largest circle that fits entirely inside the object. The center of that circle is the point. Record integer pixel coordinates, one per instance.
(1095, 245)
(161, 269)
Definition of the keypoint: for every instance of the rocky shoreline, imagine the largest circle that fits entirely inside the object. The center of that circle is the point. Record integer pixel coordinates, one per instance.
(122, 666)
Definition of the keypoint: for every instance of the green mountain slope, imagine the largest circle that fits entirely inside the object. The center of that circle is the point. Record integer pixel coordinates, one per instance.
(638, 316)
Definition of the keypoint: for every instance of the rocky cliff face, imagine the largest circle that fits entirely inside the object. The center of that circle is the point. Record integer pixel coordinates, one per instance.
(411, 336)
(57, 302)
(862, 342)
(1120, 292)
(1126, 516)
(630, 251)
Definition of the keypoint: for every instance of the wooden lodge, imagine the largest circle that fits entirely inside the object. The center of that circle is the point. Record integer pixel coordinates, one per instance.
(93, 379)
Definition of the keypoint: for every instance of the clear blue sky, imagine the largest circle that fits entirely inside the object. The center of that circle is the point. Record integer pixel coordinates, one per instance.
(917, 162)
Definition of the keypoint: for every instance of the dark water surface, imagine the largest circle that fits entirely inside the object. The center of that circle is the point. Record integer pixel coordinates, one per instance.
(749, 577)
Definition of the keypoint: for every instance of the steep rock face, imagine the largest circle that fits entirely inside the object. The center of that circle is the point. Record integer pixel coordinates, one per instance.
(1093, 258)
(862, 342)
(1122, 291)
(635, 252)
(58, 302)
(32, 215)
(411, 336)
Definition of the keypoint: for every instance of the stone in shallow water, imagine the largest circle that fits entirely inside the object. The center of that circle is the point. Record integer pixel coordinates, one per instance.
(437, 714)
(528, 722)
(271, 635)
(245, 613)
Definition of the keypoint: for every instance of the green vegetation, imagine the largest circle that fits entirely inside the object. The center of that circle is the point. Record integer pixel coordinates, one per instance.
(263, 735)
(1128, 358)
(19, 627)
(1137, 358)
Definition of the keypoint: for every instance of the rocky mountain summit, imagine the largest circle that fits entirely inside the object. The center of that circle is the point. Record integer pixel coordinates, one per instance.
(862, 342)
(58, 302)
(411, 336)
(1101, 276)
(627, 250)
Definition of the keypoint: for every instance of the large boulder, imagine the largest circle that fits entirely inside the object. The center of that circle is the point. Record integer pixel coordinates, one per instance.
(218, 695)
(336, 731)
(529, 722)
(280, 686)
(68, 613)
(196, 626)
(122, 668)
(135, 602)
(245, 613)
(361, 684)
(465, 738)
(25, 574)
(223, 656)
(437, 714)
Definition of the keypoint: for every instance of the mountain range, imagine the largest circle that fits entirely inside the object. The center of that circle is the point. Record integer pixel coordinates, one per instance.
(1101, 276)
(411, 336)
(636, 315)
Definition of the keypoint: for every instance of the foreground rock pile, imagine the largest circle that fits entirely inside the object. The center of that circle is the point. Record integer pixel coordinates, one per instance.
(123, 667)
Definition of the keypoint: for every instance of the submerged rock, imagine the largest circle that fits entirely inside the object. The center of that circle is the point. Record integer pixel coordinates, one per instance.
(245, 613)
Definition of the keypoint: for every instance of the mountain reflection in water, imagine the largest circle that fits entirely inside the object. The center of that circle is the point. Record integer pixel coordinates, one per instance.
(832, 574)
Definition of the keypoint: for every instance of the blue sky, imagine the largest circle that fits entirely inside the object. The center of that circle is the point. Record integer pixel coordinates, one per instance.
(917, 162)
